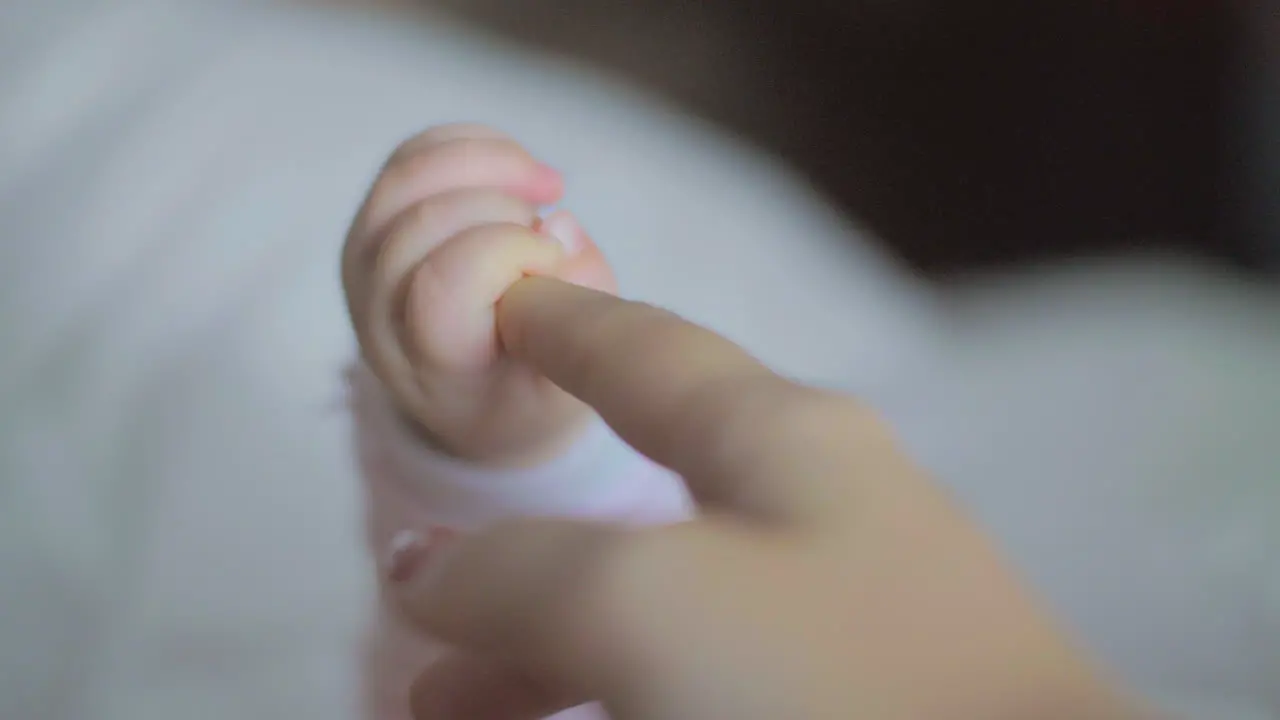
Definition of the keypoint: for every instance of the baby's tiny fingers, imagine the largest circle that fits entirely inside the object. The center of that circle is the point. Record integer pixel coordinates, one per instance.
(424, 226)
(456, 165)
(449, 311)
(439, 134)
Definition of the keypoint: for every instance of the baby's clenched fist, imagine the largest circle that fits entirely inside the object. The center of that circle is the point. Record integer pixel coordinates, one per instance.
(451, 223)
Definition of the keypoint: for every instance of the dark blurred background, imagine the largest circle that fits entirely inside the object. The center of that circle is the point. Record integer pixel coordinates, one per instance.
(968, 135)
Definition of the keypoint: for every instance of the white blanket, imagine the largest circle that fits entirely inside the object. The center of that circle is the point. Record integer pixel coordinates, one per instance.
(178, 520)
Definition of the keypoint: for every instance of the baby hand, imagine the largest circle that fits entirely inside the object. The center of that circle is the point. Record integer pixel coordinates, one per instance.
(449, 225)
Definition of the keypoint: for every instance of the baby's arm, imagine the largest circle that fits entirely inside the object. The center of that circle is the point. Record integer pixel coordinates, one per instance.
(415, 492)
(452, 435)
(415, 495)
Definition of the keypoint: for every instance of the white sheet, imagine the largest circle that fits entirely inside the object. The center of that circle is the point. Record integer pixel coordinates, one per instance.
(178, 518)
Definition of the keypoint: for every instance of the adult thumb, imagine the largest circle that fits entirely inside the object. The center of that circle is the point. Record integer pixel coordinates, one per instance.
(530, 593)
(463, 686)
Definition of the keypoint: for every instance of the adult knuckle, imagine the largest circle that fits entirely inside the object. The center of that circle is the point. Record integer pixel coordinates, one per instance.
(818, 418)
(723, 404)
(833, 431)
(737, 417)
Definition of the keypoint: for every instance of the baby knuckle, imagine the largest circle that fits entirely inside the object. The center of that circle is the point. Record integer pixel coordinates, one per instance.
(395, 257)
(451, 131)
(481, 246)
(424, 142)
(407, 149)
(415, 316)
(408, 166)
(467, 208)
(452, 164)
(401, 169)
(406, 227)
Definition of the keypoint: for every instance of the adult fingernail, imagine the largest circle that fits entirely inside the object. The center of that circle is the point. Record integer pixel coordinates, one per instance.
(411, 551)
(404, 555)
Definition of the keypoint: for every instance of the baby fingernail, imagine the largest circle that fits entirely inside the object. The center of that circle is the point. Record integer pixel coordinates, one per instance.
(546, 184)
(563, 228)
(548, 175)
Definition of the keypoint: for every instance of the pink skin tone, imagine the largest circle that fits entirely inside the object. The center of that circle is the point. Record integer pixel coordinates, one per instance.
(450, 224)
(452, 435)
(411, 550)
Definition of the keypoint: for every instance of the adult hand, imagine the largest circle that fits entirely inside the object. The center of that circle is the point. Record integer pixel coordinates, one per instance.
(825, 577)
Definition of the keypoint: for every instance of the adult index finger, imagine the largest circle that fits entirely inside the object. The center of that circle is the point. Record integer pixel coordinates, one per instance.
(742, 436)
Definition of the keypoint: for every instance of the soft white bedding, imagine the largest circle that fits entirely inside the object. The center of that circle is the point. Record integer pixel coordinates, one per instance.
(178, 519)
